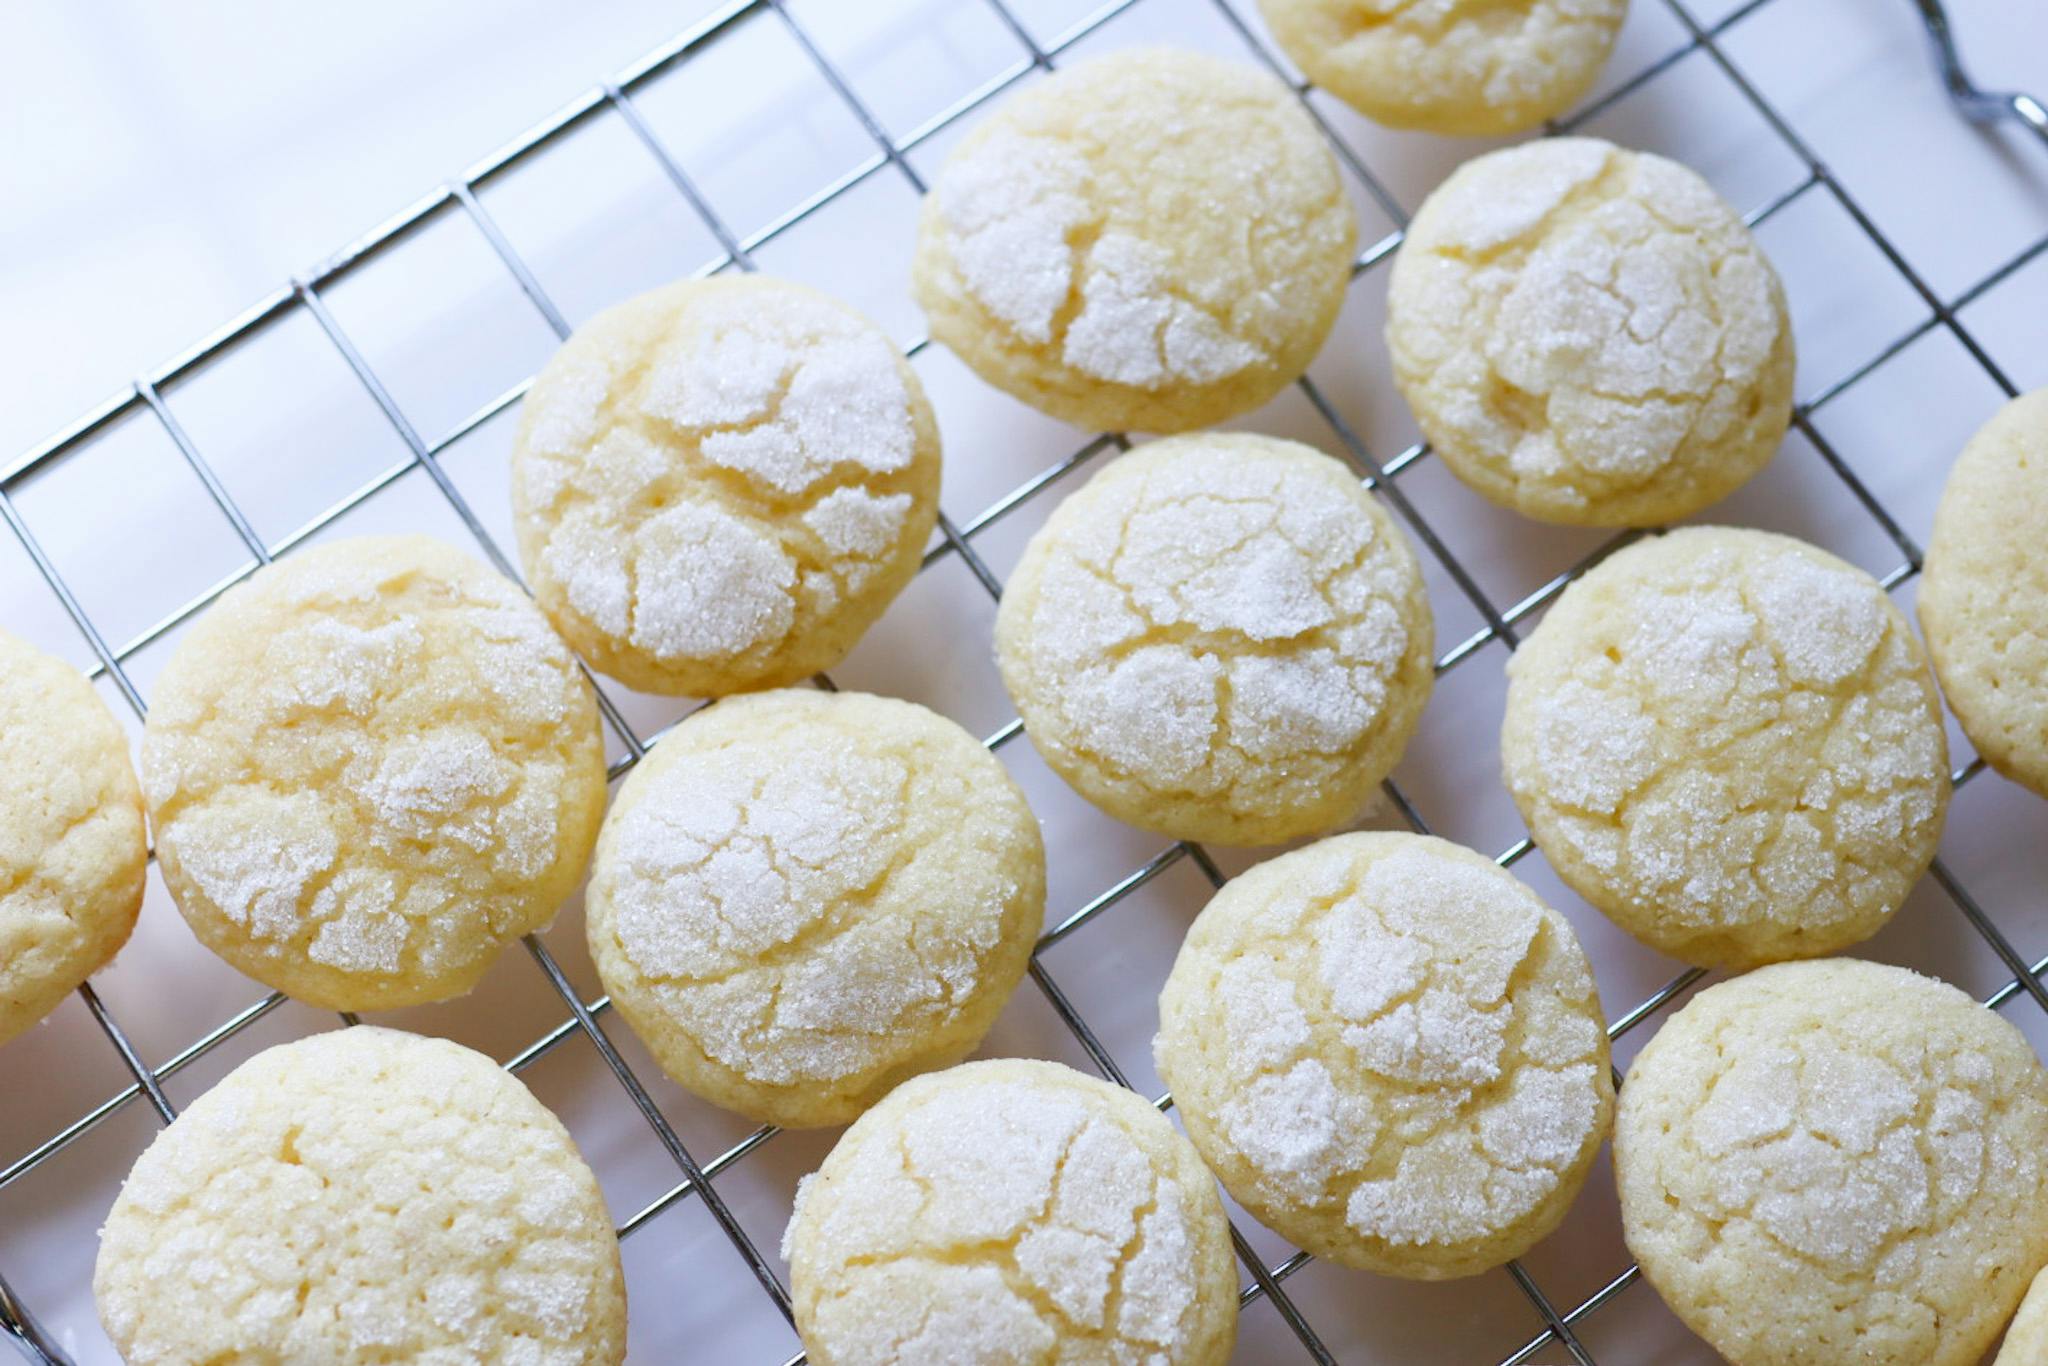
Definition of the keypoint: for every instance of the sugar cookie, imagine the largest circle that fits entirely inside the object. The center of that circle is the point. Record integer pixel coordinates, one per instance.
(369, 768)
(719, 485)
(72, 852)
(1729, 742)
(800, 898)
(1590, 335)
(1836, 1161)
(1391, 1052)
(1153, 240)
(363, 1196)
(2026, 1338)
(1457, 67)
(1984, 599)
(1219, 637)
(1006, 1212)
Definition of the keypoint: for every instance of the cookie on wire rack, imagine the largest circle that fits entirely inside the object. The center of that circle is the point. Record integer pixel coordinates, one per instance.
(1390, 1051)
(720, 484)
(1590, 335)
(1984, 593)
(363, 1196)
(1153, 240)
(1836, 1161)
(1476, 70)
(1011, 1211)
(800, 898)
(370, 767)
(1219, 637)
(1729, 742)
(72, 850)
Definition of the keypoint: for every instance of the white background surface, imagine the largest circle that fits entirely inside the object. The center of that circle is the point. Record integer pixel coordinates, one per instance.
(164, 167)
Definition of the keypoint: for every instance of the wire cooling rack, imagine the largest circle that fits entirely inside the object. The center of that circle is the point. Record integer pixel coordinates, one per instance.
(1489, 579)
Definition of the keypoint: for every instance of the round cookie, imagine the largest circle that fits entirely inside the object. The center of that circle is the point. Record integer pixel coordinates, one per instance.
(1836, 1161)
(1153, 240)
(363, 1196)
(72, 851)
(1590, 335)
(1984, 596)
(1011, 1211)
(1219, 637)
(720, 484)
(1729, 742)
(1391, 1052)
(801, 898)
(1478, 69)
(369, 768)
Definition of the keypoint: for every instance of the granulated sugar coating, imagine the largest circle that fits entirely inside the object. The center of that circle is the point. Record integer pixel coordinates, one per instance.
(1472, 67)
(72, 852)
(800, 898)
(1153, 240)
(1590, 335)
(719, 485)
(370, 767)
(1007, 1212)
(360, 1197)
(1729, 742)
(1391, 1052)
(1834, 1162)
(1220, 637)
(1984, 599)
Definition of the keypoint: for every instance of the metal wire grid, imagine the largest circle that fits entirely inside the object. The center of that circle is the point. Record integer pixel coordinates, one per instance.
(17, 1321)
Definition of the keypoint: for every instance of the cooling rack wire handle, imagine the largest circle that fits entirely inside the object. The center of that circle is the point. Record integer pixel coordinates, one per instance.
(1977, 105)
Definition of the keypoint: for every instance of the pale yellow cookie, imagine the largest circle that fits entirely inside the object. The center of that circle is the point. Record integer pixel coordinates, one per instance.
(1836, 1162)
(801, 898)
(1590, 335)
(1006, 1212)
(369, 768)
(1473, 67)
(2026, 1337)
(363, 1197)
(719, 485)
(1729, 742)
(1984, 597)
(1391, 1052)
(72, 852)
(1152, 240)
(1219, 637)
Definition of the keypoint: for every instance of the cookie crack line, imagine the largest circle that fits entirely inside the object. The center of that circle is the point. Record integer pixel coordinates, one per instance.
(815, 933)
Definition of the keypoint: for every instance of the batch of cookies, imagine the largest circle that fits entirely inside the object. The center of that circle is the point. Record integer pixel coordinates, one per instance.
(375, 764)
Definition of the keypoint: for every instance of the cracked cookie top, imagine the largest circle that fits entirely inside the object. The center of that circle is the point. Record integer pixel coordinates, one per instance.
(1469, 67)
(1836, 1161)
(363, 1196)
(720, 484)
(1153, 240)
(369, 768)
(72, 853)
(1391, 1051)
(800, 898)
(1590, 335)
(1220, 637)
(1729, 742)
(1010, 1212)
(1984, 597)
